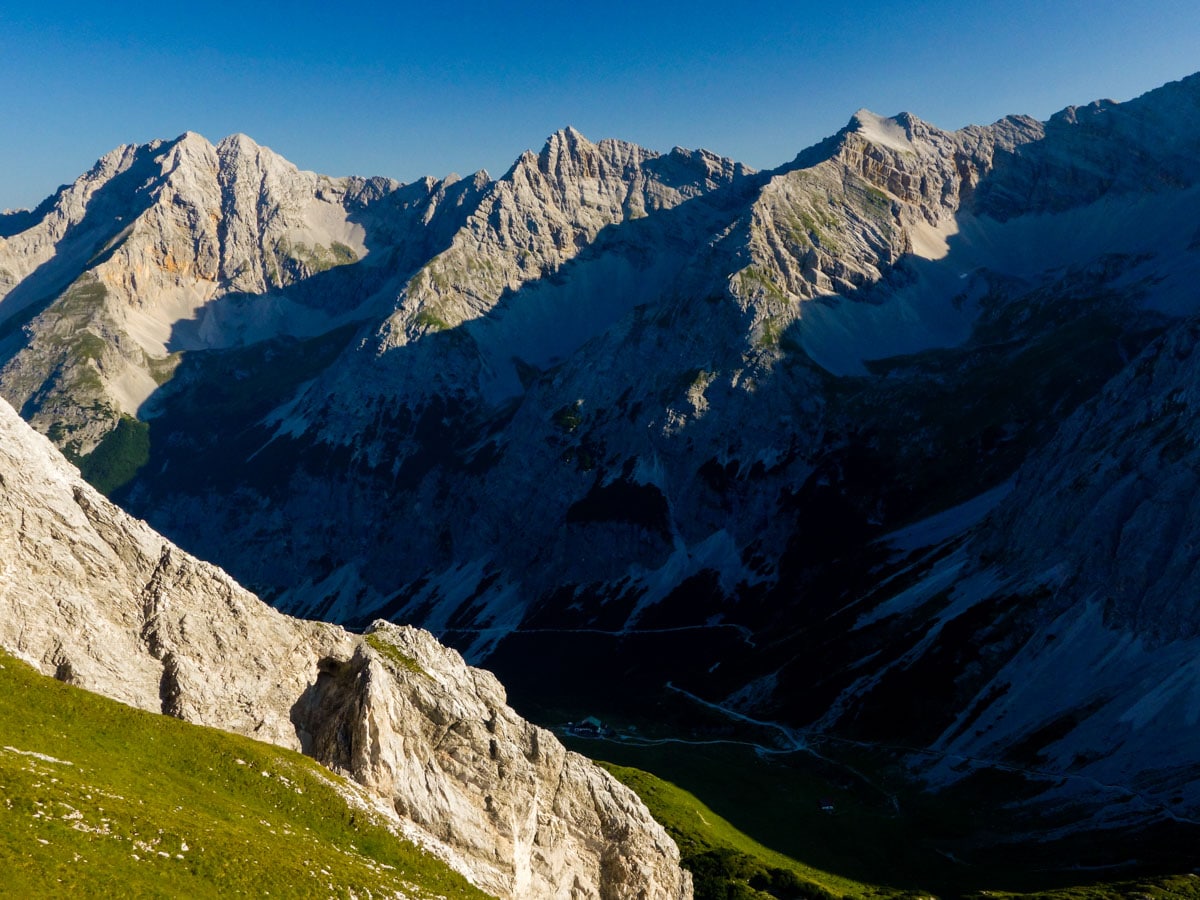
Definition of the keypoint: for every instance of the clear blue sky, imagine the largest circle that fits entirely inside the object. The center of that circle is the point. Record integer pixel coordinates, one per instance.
(384, 88)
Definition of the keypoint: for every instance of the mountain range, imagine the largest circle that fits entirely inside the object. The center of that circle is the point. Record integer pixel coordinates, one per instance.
(889, 448)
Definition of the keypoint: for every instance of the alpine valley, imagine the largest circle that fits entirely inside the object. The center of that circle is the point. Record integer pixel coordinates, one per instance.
(859, 497)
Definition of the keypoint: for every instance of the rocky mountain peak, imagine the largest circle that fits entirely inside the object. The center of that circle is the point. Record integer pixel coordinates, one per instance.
(146, 246)
(194, 140)
(589, 393)
(1073, 115)
(894, 132)
(569, 136)
(547, 209)
(569, 157)
(1103, 148)
(239, 144)
(118, 160)
(189, 158)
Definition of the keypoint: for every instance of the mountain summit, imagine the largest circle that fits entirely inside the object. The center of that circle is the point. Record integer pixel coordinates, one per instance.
(870, 447)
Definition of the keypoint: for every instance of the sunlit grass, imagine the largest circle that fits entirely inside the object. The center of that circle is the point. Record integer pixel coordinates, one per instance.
(99, 799)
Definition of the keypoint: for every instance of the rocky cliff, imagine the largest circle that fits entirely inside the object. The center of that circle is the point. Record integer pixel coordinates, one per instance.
(99, 600)
(616, 400)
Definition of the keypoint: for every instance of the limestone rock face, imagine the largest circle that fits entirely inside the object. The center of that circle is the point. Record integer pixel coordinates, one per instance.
(438, 739)
(182, 245)
(585, 371)
(1088, 152)
(540, 215)
(97, 599)
(844, 214)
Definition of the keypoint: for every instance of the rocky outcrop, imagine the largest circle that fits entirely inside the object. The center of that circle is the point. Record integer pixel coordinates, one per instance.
(101, 601)
(408, 719)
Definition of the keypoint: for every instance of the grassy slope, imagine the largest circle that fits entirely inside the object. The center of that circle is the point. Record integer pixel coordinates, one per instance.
(775, 803)
(723, 860)
(705, 839)
(142, 805)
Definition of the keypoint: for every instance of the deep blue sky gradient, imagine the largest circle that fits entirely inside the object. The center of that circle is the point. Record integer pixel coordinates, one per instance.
(376, 88)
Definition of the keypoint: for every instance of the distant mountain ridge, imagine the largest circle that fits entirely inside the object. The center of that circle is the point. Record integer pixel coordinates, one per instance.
(615, 393)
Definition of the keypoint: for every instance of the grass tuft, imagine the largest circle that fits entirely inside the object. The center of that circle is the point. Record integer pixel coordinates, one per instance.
(393, 654)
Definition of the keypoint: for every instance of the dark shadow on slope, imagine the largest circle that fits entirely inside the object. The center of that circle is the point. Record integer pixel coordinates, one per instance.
(988, 403)
(208, 435)
(848, 502)
(635, 263)
(15, 222)
(323, 715)
(214, 403)
(443, 431)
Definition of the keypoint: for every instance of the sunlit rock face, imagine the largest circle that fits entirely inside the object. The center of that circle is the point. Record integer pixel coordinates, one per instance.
(98, 599)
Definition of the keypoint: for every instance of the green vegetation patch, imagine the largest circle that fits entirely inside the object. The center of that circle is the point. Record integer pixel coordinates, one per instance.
(393, 654)
(569, 417)
(769, 336)
(118, 457)
(877, 198)
(886, 835)
(83, 297)
(310, 260)
(87, 346)
(724, 862)
(752, 277)
(1172, 886)
(342, 254)
(432, 321)
(99, 799)
(162, 369)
